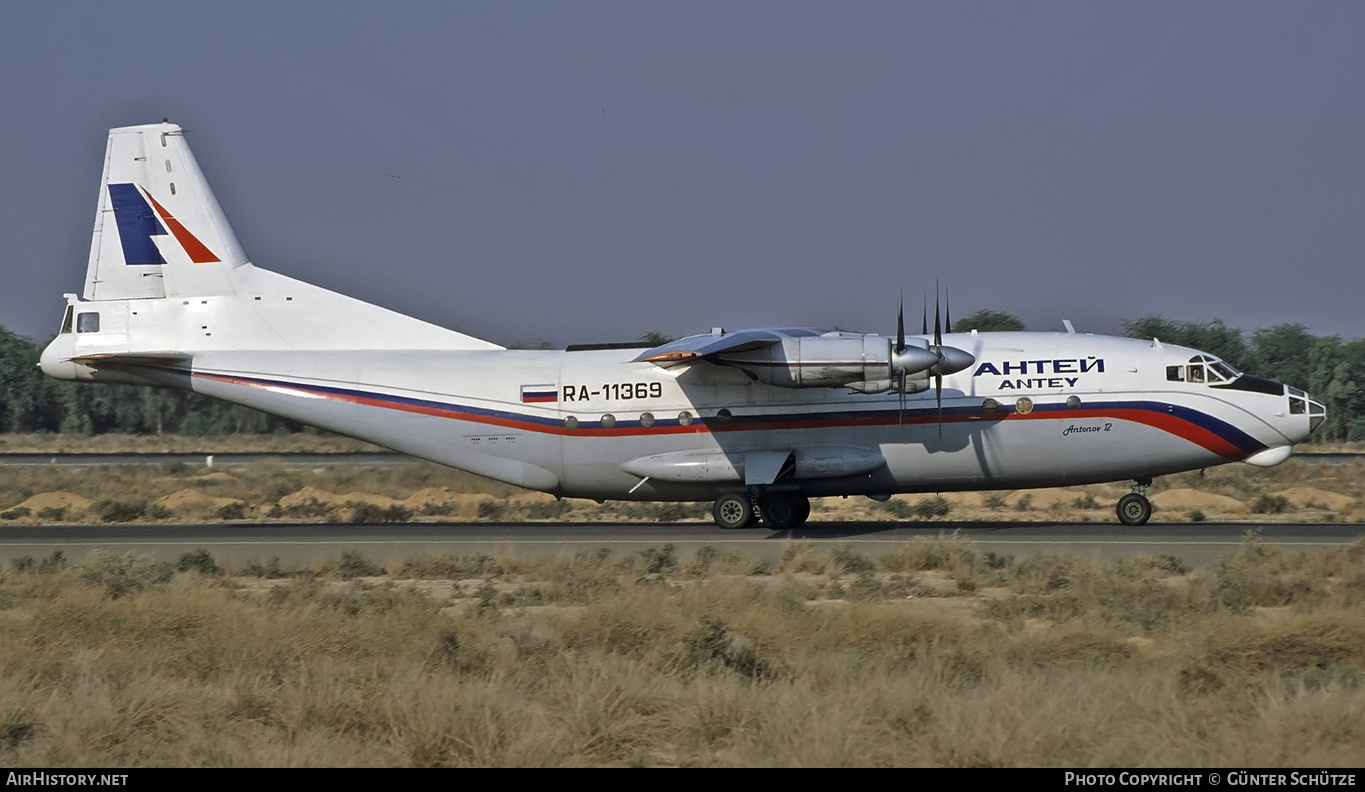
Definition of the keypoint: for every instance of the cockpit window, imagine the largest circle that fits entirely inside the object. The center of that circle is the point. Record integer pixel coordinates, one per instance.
(87, 323)
(1201, 369)
(67, 318)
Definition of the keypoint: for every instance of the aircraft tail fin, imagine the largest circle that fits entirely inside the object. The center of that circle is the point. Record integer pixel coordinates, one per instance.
(159, 231)
(161, 237)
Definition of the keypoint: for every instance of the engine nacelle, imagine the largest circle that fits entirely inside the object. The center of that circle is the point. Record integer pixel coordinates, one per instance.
(837, 360)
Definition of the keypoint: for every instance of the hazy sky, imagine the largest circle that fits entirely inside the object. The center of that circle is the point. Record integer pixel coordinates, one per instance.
(589, 171)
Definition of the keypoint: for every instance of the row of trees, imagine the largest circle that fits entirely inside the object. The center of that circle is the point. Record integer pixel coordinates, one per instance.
(1325, 366)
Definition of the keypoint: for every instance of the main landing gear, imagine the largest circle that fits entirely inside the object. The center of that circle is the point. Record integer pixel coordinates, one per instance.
(1134, 508)
(779, 510)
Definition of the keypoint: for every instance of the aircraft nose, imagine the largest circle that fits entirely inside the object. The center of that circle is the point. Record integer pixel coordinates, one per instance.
(1302, 405)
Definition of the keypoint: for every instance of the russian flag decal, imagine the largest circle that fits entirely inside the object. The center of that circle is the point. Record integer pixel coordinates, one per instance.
(538, 394)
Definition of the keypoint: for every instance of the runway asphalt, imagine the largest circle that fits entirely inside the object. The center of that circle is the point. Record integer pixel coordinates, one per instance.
(1197, 544)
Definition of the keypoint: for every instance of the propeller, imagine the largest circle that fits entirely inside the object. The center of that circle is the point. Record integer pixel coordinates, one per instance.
(931, 359)
(907, 359)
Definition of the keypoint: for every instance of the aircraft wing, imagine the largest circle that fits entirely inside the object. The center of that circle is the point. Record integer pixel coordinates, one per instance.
(692, 348)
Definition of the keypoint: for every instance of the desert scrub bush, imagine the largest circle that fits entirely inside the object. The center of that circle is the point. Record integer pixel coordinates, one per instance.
(714, 645)
(493, 510)
(17, 513)
(994, 501)
(850, 562)
(709, 561)
(896, 508)
(945, 553)
(452, 567)
(928, 508)
(55, 562)
(1086, 501)
(581, 579)
(803, 557)
(52, 513)
(309, 509)
(354, 564)
(701, 561)
(201, 561)
(661, 560)
(374, 513)
(130, 511)
(270, 569)
(1270, 504)
(1255, 576)
(120, 575)
(1197, 516)
(233, 511)
(19, 727)
(362, 598)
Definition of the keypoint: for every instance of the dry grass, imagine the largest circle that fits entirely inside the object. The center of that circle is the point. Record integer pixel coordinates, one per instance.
(934, 655)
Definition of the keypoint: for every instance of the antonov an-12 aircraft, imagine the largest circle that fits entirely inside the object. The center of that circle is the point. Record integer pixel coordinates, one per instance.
(758, 421)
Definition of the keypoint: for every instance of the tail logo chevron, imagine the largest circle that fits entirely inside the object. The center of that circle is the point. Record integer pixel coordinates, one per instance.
(137, 224)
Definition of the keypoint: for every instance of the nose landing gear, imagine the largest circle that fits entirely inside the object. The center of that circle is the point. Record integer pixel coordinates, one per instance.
(1134, 508)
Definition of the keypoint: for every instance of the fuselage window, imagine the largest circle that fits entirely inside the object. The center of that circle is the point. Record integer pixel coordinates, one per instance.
(68, 318)
(1175, 373)
(87, 323)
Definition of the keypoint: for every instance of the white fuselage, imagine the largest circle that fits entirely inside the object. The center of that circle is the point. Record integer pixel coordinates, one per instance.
(572, 423)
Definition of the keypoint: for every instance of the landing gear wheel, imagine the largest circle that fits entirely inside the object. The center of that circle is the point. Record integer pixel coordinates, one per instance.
(1134, 509)
(785, 511)
(733, 511)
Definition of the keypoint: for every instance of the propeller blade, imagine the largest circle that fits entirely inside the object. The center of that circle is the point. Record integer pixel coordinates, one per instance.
(947, 311)
(900, 326)
(938, 327)
(924, 322)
